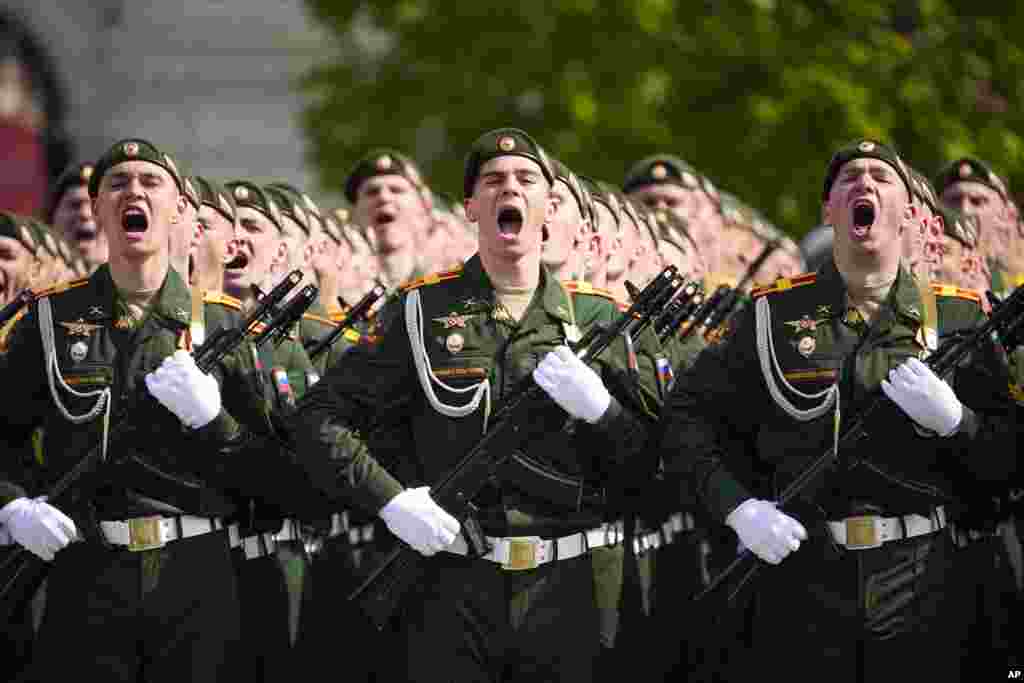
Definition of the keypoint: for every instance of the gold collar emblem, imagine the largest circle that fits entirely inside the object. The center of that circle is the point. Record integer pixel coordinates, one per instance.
(80, 328)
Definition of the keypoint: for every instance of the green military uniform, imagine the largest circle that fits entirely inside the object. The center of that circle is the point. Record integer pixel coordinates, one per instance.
(757, 408)
(378, 387)
(162, 471)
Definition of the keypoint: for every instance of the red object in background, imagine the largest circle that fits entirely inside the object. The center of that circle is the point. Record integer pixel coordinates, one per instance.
(23, 172)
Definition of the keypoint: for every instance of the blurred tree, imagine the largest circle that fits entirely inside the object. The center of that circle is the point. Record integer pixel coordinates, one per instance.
(755, 93)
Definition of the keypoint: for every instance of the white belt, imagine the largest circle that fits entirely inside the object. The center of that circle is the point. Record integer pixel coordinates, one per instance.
(260, 545)
(146, 533)
(516, 553)
(871, 531)
(290, 531)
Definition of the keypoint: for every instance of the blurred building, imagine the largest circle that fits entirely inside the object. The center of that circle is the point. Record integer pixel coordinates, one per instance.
(211, 79)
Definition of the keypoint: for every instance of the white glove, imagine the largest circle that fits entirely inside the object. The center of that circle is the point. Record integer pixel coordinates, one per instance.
(770, 534)
(38, 526)
(572, 385)
(185, 390)
(415, 518)
(924, 397)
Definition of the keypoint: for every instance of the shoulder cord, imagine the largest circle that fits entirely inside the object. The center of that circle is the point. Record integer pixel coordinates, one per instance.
(102, 396)
(425, 373)
(766, 354)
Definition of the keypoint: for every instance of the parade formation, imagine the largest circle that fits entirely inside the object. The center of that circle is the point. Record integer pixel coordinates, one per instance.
(559, 430)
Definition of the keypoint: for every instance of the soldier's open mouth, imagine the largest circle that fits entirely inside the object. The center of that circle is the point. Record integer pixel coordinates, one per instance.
(863, 217)
(238, 263)
(134, 220)
(84, 233)
(510, 221)
(544, 233)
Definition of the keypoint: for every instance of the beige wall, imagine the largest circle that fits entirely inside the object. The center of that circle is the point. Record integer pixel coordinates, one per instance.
(212, 79)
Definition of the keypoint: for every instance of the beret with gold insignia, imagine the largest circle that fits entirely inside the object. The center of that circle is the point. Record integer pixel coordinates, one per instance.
(870, 149)
(215, 195)
(303, 200)
(969, 170)
(959, 227)
(251, 195)
(572, 181)
(290, 206)
(661, 169)
(133, 149)
(503, 142)
(21, 228)
(381, 162)
(75, 175)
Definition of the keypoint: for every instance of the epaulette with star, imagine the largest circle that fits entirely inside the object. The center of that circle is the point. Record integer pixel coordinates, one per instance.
(785, 283)
(223, 299)
(431, 279)
(584, 287)
(958, 292)
(61, 287)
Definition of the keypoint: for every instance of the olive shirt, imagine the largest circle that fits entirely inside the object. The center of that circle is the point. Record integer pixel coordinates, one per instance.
(376, 386)
(162, 467)
(315, 325)
(725, 430)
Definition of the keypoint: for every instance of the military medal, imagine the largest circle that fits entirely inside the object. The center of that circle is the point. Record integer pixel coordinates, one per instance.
(452, 320)
(78, 351)
(454, 342)
(806, 346)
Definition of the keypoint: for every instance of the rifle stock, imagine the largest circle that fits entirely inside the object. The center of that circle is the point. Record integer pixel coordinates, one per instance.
(22, 572)
(1005, 324)
(513, 424)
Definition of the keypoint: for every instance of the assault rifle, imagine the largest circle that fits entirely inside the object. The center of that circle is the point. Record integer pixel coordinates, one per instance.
(21, 572)
(358, 313)
(513, 424)
(284, 317)
(1003, 326)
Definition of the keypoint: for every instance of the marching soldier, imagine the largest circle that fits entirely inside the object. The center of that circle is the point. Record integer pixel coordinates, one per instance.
(872, 586)
(481, 329)
(70, 212)
(125, 603)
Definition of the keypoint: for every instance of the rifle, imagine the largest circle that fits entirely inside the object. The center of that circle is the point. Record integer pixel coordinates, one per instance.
(21, 572)
(357, 314)
(689, 298)
(24, 298)
(284, 317)
(1003, 326)
(513, 424)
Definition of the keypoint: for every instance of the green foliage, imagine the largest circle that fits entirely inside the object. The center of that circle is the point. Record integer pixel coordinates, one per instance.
(756, 94)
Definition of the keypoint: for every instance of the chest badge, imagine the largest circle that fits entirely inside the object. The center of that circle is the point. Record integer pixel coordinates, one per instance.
(95, 312)
(454, 342)
(78, 351)
(804, 325)
(80, 328)
(453, 320)
(806, 346)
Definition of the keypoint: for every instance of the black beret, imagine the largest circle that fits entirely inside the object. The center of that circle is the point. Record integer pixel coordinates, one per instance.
(661, 169)
(75, 175)
(250, 194)
(133, 149)
(499, 143)
(382, 162)
(861, 149)
(213, 194)
(969, 170)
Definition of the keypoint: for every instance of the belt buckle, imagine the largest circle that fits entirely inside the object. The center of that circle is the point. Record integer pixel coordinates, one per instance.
(144, 534)
(522, 553)
(862, 532)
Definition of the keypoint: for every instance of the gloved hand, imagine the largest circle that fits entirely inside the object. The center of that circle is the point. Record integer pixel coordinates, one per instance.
(38, 526)
(770, 534)
(572, 385)
(415, 518)
(924, 397)
(185, 390)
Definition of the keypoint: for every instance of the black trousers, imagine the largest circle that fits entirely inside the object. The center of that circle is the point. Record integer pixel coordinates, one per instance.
(264, 647)
(169, 614)
(897, 612)
(472, 621)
